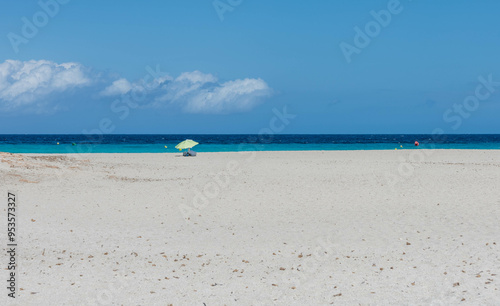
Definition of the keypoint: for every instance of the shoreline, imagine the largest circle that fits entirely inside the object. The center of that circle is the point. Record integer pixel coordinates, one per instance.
(270, 151)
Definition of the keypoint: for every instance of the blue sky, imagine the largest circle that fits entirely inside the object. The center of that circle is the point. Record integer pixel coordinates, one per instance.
(223, 66)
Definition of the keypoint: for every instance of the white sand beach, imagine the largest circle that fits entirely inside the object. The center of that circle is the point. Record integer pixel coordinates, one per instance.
(257, 228)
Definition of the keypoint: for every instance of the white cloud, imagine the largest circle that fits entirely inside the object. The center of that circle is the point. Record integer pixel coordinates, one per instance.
(27, 83)
(197, 92)
(119, 87)
(33, 85)
(196, 77)
(232, 96)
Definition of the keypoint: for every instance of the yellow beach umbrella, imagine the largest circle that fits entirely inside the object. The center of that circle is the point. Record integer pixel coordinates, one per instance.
(186, 144)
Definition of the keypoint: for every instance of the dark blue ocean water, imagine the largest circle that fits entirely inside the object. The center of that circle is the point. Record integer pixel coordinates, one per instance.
(231, 143)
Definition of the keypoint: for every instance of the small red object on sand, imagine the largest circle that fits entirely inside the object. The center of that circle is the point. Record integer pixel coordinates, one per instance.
(416, 143)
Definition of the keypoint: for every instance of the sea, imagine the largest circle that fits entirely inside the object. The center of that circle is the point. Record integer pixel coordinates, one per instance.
(114, 143)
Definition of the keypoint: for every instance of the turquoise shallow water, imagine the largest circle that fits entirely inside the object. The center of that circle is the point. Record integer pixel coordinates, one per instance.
(233, 143)
(108, 148)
